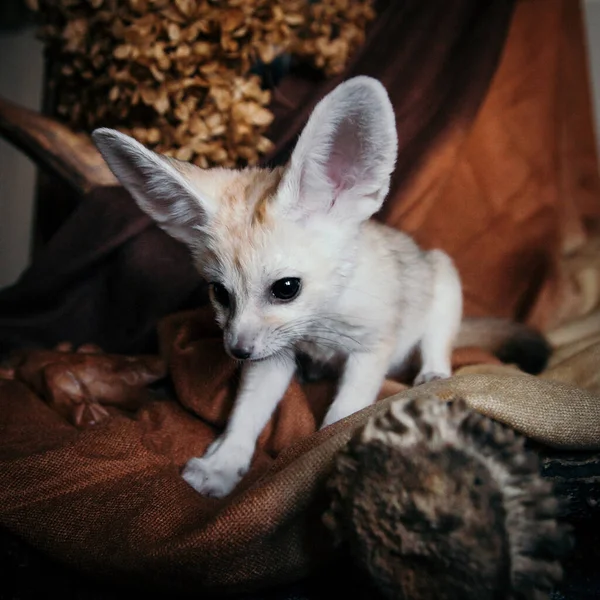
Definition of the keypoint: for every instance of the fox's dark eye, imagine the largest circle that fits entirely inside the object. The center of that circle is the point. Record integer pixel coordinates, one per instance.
(286, 289)
(219, 293)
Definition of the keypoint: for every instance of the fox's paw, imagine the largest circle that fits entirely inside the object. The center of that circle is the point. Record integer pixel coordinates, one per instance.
(422, 378)
(216, 474)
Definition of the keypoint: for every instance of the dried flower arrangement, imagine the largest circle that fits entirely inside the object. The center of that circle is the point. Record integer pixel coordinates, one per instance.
(177, 74)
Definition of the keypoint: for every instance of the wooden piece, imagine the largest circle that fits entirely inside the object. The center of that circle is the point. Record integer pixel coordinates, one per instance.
(54, 147)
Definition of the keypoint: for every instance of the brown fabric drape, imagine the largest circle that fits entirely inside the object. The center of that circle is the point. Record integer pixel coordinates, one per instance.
(109, 274)
(496, 166)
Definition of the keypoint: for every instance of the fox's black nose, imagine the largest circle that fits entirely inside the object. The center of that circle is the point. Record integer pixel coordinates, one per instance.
(241, 352)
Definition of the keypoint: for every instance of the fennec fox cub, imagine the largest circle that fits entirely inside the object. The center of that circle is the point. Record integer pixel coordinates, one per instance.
(296, 266)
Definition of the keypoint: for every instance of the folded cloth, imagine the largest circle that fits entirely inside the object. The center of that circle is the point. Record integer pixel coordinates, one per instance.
(106, 495)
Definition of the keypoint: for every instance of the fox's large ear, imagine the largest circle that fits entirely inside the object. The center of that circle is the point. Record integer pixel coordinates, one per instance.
(345, 156)
(158, 185)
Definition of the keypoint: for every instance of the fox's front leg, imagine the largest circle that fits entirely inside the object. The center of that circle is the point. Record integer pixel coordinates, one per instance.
(228, 458)
(361, 381)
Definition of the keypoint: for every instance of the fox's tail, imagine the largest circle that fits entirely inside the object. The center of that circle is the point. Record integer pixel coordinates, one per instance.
(511, 342)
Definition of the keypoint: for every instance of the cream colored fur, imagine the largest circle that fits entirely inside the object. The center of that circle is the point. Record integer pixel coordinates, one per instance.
(368, 296)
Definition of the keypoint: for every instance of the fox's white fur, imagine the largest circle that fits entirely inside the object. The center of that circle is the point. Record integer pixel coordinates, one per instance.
(369, 295)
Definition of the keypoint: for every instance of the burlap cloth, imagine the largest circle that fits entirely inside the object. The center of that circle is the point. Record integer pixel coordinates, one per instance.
(504, 178)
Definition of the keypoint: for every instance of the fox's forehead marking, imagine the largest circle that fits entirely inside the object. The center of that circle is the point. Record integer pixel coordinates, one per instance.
(243, 223)
(260, 194)
(243, 198)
